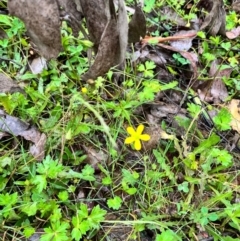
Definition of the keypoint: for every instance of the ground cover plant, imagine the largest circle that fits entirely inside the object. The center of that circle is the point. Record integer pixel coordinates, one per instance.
(104, 140)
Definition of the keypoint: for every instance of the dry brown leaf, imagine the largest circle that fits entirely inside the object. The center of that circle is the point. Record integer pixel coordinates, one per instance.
(188, 35)
(158, 56)
(162, 109)
(16, 127)
(113, 43)
(107, 52)
(7, 85)
(170, 14)
(190, 56)
(42, 21)
(215, 20)
(137, 25)
(215, 90)
(155, 136)
(38, 65)
(234, 109)
(234, 33)
(183, 44)
(95, 157)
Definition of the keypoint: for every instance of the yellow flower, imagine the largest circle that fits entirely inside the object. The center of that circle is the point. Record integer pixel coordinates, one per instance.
(136, 137)
(84, 90)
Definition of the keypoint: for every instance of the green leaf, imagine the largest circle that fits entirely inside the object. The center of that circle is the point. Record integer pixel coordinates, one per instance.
(56, 214)
(3, 183)
(8, 199)
(194, 109)
(82, 128)
(41, 182)
(204, 210)
(183, 187)
(76, 234)
(114, 203)
(28, 232)
(87, 173)
(49, 167)
(213, 217)
(97, 215)
(222, 120)
(5, 161)
(30, 209)
(209, 57)
(149, 5)
(57, 232)
(128, 177)
(82, 211)
(150, 65)
(141, 68)
(226, 45)
(107, 180)
(206, 144)
(168, 235)
(221, 156)
(63, 196)
(6, 20)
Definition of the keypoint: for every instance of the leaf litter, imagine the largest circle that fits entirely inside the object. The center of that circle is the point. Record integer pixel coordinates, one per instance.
(109, 37)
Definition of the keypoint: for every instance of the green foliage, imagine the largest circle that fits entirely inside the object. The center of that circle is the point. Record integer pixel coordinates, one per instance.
(180, 60)
(147, 69)
(167, 235)
(204, 217)
(231, 20)
(84, 221)
(222, 120)
(57, 232)
(114, 203)
(187, 181)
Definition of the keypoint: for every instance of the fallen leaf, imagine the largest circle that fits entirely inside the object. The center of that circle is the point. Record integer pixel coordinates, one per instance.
(7, 85)
(158, 56)
(234, 33)
(190, 56)
(162, 109)
(187, 35)
(214, 90)
(170, 14)
(234, 109)
(95, 157)
(42, 21)
(137, 25)
(183, 44)
(113, 43)
(215, 21)
(16, 127)
(155, 136)
(38, 65)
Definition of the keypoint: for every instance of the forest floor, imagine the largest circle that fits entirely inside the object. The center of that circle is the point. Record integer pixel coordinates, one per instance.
(148, 151)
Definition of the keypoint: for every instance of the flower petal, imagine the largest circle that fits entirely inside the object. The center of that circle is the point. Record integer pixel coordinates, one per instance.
(137, 145)
(129, 140)
(145, 137)
(130, 130)
(140, 129)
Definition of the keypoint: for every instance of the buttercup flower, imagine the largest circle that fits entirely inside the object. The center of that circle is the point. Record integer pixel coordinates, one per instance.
(84, 90)
(136, 137)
